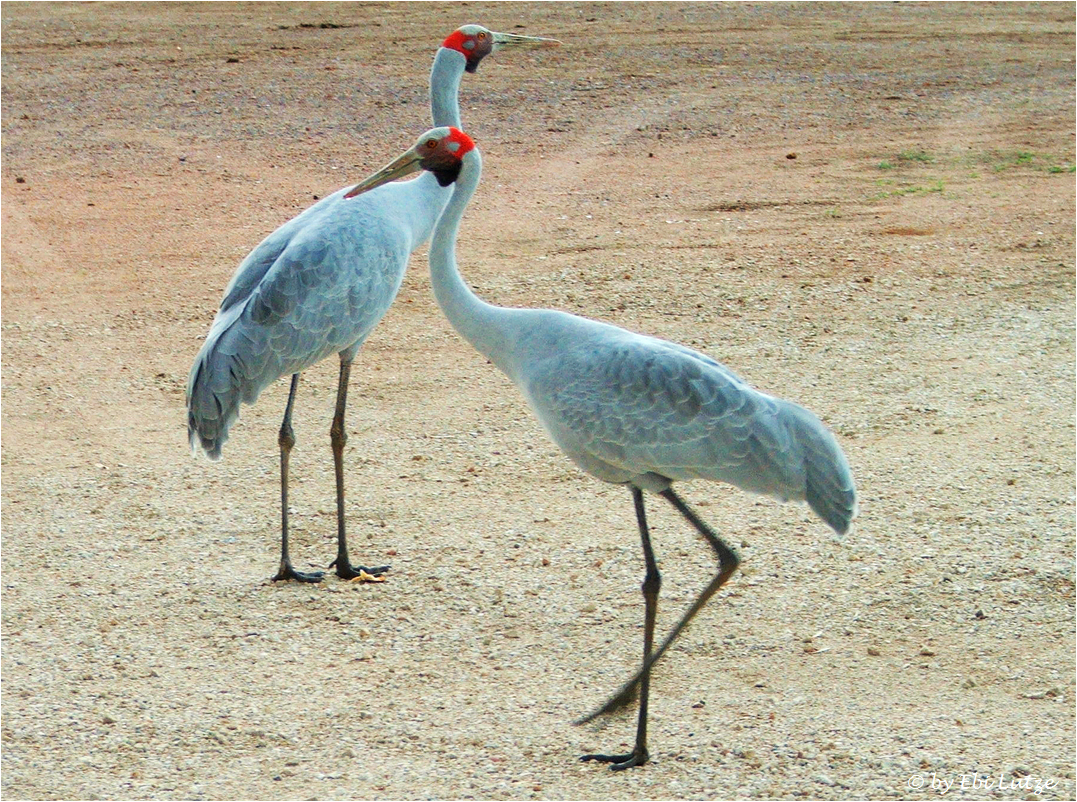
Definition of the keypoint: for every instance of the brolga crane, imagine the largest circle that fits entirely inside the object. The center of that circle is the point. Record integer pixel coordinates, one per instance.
(318, 285)
(630, 409)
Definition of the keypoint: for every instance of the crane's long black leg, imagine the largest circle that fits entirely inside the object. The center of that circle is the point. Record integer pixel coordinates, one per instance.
(338, 435)
(286, 439)
(652, 583)
(727, 564)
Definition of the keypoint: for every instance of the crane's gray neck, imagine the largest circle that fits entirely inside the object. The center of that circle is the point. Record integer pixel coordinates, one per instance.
(445, 78)
(487, 327)
(424, 197)
(422, 208)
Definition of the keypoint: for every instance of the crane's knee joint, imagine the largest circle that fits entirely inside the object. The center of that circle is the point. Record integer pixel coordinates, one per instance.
(286, 438)
(652, 583)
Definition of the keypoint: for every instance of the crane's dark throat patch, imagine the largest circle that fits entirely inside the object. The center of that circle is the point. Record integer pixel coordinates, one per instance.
(446, 175)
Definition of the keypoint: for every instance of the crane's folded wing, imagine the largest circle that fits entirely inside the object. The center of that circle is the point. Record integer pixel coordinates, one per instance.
(645, 405)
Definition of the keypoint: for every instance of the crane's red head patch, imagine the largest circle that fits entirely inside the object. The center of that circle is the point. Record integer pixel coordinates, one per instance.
(474, 42)
(441, 151)
(458, 142)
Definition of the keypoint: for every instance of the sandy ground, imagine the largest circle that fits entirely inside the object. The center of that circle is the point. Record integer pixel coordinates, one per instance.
(866, 208)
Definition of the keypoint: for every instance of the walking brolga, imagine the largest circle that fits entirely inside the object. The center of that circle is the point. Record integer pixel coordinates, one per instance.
(630, 409)
(318, 285)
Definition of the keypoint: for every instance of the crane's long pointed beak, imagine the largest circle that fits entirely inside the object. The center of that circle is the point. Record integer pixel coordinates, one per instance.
(503, 40)
(403, 165)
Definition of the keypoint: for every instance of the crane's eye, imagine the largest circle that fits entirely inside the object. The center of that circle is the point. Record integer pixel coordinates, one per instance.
(431, 143)
(482, 37)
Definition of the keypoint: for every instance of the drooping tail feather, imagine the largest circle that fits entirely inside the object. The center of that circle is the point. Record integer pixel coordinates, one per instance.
(226, 371)
(212, 404)
(829, 487)
(834, 503)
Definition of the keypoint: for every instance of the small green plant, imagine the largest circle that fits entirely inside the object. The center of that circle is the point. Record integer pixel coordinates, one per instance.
(1019, 158)
(934, 186)
(921, 156)
(885, 165)
(1023, 158)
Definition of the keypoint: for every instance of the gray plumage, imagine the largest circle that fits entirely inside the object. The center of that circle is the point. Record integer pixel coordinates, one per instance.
(318, 285)
(632, 410)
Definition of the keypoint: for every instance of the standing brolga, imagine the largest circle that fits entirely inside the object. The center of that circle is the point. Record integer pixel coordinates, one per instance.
(318, 285)
(630, 409)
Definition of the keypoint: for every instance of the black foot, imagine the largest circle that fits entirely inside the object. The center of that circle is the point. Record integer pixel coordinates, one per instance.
(287, 572)
(621, 762)
(345, 570)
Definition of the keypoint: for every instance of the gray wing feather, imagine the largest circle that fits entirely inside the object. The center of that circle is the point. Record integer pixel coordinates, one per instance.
(257, 263)
(646, 406)
(316, 286)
